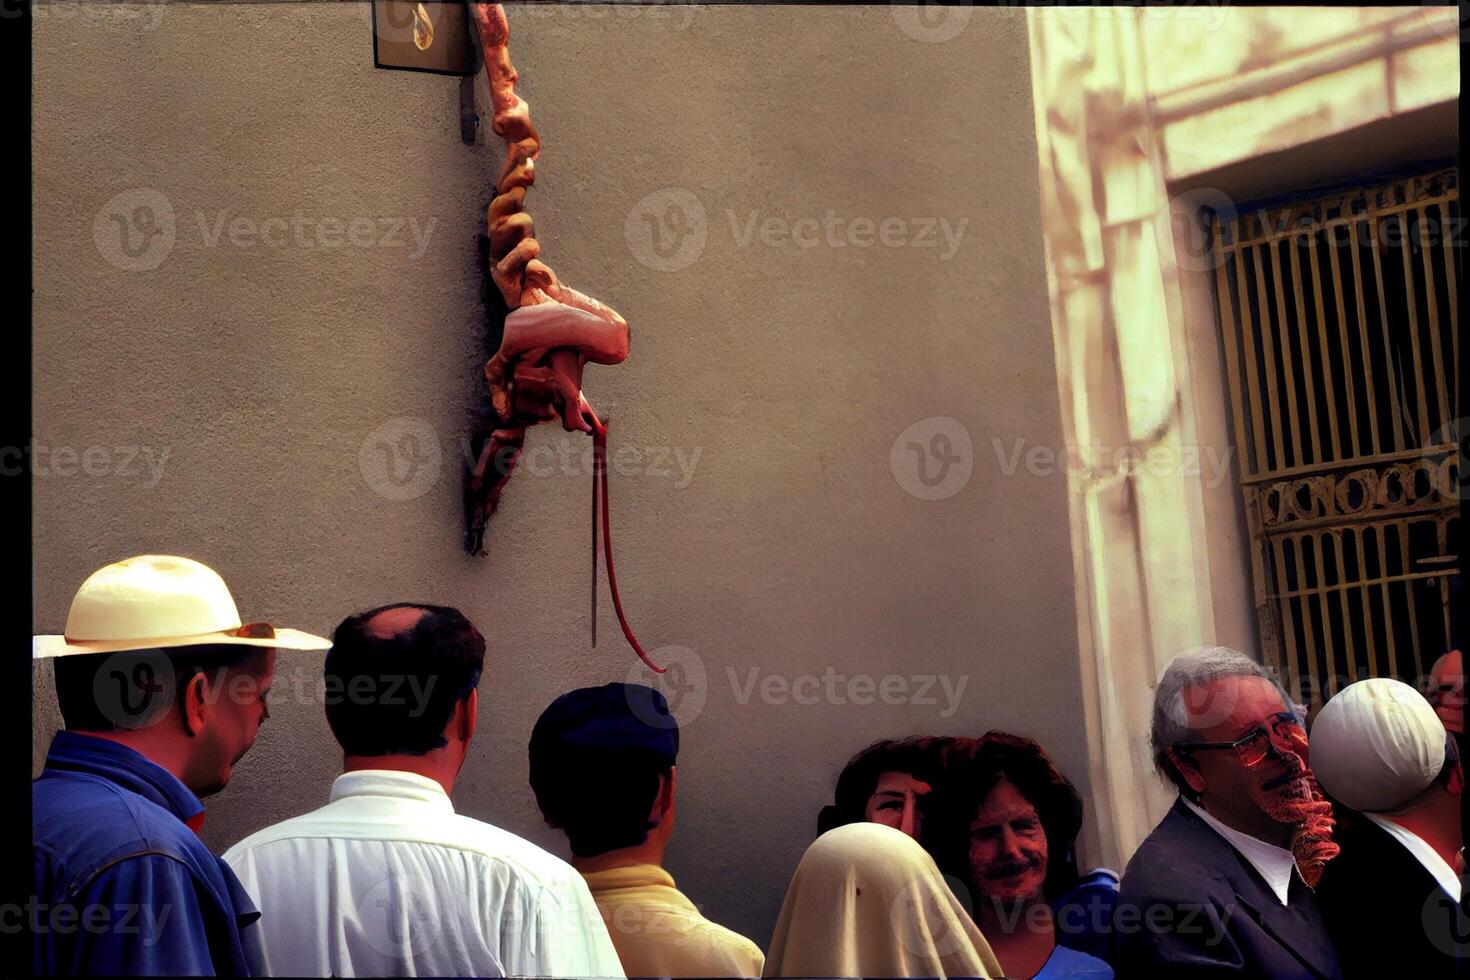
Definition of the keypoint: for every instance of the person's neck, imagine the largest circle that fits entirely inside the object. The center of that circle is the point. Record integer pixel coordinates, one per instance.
(1437, 823)
(1254, 823)
(157, 747)
(651, 851)
(439, 765)
(1021, 933)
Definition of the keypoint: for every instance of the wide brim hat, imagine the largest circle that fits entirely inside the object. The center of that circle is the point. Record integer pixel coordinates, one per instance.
(160, 602)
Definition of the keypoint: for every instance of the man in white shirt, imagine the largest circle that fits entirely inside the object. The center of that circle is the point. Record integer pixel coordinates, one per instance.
(1222, 887)
(386, 879)
(1393, 900)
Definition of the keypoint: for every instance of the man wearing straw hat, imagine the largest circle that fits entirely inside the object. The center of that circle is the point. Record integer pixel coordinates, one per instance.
(162, 689)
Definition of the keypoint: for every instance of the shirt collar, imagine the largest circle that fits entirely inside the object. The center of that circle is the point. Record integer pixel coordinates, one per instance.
(128, 768)
(393, 783)
(1275, 864)
(629, 876)
(637, 876)
(1423, 853)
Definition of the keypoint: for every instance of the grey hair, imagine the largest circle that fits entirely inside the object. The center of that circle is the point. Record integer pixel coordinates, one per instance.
(1192, 668)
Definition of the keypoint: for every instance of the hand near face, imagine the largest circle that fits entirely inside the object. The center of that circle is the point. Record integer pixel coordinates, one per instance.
(897, 802)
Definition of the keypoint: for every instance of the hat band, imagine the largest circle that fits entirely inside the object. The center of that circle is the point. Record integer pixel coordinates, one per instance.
(249, 631)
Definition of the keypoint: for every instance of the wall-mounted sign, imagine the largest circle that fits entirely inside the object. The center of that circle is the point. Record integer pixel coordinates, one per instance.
(429, 36)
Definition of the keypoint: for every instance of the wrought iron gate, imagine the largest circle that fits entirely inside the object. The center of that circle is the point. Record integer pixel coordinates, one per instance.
(1340, 329)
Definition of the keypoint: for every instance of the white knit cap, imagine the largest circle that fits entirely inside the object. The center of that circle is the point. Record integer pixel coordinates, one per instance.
(1377, 745)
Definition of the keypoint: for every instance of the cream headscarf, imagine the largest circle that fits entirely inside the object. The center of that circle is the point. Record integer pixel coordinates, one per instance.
(868, 901)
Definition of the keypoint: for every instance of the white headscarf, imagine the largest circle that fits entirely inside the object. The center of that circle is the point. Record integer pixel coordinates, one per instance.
(868, 901)
(1377, 745)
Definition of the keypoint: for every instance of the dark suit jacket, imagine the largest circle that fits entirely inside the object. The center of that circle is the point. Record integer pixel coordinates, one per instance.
(1387, 913)
(1190, 906)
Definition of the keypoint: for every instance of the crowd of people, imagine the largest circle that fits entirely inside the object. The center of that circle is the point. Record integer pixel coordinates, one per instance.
(1287, 854)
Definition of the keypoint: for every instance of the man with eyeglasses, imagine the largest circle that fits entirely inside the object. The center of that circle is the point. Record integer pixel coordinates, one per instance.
(1223, 885)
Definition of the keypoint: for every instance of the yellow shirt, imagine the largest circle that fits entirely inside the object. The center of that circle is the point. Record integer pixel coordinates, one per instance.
(659, 933)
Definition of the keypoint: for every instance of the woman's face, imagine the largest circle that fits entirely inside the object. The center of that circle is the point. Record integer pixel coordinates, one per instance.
(895, 802)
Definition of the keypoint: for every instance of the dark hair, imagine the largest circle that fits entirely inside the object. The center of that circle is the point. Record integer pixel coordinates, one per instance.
(920, 757)
(391, 694)
(597, 756)
(600, 798)
(111, 692)
(1023, 763)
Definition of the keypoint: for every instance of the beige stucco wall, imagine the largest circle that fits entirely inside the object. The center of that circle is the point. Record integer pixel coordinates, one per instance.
(274, 369)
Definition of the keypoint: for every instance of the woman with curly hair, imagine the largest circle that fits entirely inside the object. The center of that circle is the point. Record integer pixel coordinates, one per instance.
(1004, 823)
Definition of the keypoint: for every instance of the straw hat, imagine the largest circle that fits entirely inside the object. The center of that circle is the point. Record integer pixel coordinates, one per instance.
(154, 601)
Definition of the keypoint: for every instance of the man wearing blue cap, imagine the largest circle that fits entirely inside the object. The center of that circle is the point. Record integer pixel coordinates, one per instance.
(602, 768)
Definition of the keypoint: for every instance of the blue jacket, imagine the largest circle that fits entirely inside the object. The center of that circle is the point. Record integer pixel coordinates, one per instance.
(1192, 908)
(122, 884)
(1083, 916)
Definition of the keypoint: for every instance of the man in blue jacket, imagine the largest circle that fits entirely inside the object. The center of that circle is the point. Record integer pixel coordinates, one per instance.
(162, 690)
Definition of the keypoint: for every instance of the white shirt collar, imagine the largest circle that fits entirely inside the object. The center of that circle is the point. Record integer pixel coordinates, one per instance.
(1275, 864)
(394, 783)
(1423, 853)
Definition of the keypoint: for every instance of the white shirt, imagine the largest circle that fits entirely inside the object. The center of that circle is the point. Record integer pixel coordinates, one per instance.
(1423, 853)
(1275, 864)
(387, 879)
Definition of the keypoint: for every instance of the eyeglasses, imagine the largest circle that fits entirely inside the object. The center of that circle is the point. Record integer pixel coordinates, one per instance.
(1253, 747)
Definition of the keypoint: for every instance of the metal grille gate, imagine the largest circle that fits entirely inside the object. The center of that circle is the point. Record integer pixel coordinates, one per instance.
(1340, 328)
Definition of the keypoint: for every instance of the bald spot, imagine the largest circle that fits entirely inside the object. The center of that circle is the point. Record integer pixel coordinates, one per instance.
(393, 622)
(1448, 668)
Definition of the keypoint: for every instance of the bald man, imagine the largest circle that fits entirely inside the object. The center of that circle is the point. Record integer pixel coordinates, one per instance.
(386, 879)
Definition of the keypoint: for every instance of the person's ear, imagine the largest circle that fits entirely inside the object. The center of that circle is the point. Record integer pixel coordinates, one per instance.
(663, 799)
(469, 714)
(1188, 770)
(194, 703)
